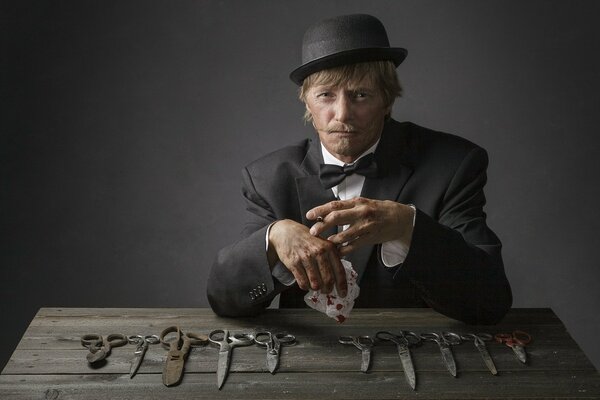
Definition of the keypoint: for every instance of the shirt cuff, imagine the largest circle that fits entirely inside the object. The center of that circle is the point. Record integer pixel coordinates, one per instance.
(394, 252)
(279, 271)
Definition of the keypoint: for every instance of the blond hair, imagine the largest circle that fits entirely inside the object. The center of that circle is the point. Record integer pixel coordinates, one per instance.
(381, 73)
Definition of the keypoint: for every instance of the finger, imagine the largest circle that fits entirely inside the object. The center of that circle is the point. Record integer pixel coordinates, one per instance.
(300, 275)
(314, 274)
(351, 233)
(351, 246)
(325, 269)
(323, 210)
(335, 218)
(339, 273)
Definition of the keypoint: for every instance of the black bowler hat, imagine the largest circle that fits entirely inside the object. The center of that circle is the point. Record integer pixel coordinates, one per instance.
(343, 40)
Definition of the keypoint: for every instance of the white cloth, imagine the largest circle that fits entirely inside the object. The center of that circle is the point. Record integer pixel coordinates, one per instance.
(331, 304)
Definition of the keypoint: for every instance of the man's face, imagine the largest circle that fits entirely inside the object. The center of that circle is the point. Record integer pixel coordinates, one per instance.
(348, 119)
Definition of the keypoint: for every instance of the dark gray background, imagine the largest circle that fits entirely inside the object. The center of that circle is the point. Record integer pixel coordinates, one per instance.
(124, 126)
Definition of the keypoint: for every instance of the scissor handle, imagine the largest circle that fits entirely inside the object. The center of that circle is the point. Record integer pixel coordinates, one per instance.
(219, 336)
(412, 338)
(91, 340)
(264, 339)
(347, 340)
(241, 339)
(171, 344)
(391, 337)
(484, 337)
(151, 339)
(516, 338)
(451, 338)
(196, 339)
(431, 337)
(285, 338)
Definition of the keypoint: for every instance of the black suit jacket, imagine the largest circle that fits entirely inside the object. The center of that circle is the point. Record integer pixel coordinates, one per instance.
(454, 264)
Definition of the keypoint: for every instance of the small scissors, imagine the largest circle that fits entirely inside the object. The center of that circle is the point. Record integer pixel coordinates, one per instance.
(273, 343)
(479, 340)
(364, 344)
(100, 346)
(142, 343)
(444, 341)
(516, 341)
(179, 349)
(226, 344)
(404, 341)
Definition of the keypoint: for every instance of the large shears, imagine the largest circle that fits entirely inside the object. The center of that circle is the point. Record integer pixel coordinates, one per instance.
(404, 341)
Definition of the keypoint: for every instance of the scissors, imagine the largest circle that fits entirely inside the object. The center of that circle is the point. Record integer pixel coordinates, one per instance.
(273, 343)
(142, 343)
(444, 341)
(179, 348)
(479, 340)
(226, 343)
(516, 341)
(100, 346)
(364, 344)
(404, 341)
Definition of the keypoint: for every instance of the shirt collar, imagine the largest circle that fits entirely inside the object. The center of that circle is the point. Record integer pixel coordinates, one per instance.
(329, 158)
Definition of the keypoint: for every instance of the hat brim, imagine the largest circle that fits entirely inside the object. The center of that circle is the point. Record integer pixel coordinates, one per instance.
(394, 54)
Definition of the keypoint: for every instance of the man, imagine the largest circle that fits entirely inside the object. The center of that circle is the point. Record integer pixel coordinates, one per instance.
(402, 203)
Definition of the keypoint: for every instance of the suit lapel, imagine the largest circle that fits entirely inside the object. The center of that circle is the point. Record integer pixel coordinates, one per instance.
(393, 157)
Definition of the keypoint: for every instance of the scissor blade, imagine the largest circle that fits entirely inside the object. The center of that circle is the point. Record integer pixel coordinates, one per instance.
(272, 361)
(448, 359)
(173, 370)
(223, 367)
(486, 357)
(407, 365)
(135, 364)
(520, 353)
(366, 360)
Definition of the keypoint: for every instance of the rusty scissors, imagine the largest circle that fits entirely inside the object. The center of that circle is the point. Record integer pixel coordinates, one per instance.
(179, 348)
(100, 346)
(516, 341)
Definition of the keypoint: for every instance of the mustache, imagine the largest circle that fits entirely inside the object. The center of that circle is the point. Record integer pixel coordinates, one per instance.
(339, 127)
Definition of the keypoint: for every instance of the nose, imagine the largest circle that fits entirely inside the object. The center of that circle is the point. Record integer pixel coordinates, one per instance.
(343, 108)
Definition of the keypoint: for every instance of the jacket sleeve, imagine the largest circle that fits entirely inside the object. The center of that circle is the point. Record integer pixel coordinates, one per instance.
(240, 282)
(456, 261)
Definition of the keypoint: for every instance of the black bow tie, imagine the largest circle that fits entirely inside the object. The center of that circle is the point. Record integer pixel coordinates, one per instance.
(332, 175)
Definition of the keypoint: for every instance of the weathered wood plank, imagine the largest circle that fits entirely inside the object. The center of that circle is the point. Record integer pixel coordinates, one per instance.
(50, 361)
(329, 385)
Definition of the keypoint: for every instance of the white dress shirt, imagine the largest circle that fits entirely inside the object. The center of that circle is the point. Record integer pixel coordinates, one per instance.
(392, 253)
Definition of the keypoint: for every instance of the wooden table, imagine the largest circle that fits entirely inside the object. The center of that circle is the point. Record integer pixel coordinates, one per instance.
(50, 363)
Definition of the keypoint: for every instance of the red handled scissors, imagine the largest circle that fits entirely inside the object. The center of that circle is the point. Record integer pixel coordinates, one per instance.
(516, 341)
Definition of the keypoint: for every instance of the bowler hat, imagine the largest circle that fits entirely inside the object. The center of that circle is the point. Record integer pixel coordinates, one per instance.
(343, 40)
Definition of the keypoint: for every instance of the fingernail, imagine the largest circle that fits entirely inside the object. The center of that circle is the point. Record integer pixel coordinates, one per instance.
(313, 231)
(310, 215)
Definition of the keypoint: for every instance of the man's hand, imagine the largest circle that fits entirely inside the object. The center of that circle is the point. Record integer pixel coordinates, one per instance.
(370, 222)
(313, 261)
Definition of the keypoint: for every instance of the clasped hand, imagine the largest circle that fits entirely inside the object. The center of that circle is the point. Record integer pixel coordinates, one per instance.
(314, 261)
